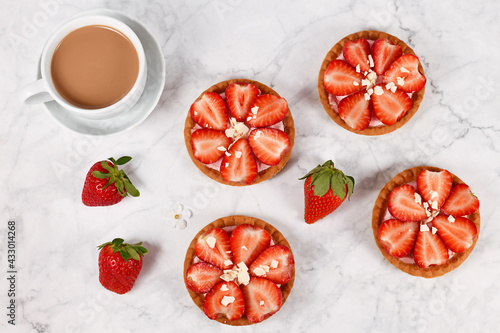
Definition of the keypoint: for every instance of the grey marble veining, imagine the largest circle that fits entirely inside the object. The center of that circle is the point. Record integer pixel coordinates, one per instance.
(342, 281)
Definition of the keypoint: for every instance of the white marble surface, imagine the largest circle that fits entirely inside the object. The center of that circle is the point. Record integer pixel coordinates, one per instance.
(342, 280)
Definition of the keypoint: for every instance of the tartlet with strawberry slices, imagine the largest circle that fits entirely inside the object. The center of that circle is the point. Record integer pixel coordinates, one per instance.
(371, 83)
(239, 270)
(426, 221)
(239, 132)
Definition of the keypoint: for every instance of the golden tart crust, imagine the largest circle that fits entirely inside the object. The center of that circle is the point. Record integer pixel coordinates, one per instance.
(380, 208)
(230, 221)
(289, 129)
(336, 51)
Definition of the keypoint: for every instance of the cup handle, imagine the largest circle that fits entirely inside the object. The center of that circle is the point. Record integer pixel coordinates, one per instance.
(35, 93)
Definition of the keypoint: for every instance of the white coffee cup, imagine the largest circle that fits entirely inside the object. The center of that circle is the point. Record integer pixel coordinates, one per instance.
(43, 90)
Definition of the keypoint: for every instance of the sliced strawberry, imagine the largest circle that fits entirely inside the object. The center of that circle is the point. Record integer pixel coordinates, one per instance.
(341, 79)
(262, 299)
(398, 238)
(429, 250)
(202, 277)
(209, 145)
(267, 110)
(390, 106)
(269, 145)
(461, 201)
(275, 264)
(210, 111)
(434, 186)
(355, 110)
(356, 53)
(240, 97)
(224, 300)
(384, 53)
(406, 69)
(238, 164)
(403, 206)
(214, 247)
(457, 235)
(248, 242)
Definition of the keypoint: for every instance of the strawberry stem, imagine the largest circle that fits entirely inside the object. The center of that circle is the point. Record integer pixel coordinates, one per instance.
(326, 176)
(117, 177)
(127, 251)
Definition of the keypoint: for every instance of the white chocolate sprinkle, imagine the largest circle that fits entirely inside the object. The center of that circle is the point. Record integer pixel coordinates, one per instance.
(378, 90)
(226, 300)
(211, 242)
(243, 276)
(241, 128)
(418, 198)
(371, 60)
(259, 271)
(391, 86)
(230, 132)
(372, 76)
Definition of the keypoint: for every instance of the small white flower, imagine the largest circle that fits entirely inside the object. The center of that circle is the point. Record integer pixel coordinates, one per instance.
(178, 216)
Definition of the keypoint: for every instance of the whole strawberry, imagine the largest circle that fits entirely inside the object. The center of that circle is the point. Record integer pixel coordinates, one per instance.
(107, 185)
(120, 264)
(325, 189)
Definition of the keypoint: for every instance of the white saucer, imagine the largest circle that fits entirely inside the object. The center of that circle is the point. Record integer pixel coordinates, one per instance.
(147, 102)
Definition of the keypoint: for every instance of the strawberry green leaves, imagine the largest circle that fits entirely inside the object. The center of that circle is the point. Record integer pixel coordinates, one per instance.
(117, 176)
(326, 176)
(127, 251)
